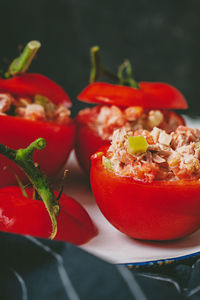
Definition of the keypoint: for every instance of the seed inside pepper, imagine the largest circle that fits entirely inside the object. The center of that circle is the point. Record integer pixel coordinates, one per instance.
(137, 144)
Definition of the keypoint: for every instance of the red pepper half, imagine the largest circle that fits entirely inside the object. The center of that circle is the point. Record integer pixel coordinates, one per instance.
(148, 95)
(30, 84)
(22, 215)
(88, 141)
(154, 95)
(159, 210)
(17, 132)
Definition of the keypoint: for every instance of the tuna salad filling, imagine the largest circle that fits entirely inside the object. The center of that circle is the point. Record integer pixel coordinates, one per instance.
(155, 155)
(37, 109)
(105, 119)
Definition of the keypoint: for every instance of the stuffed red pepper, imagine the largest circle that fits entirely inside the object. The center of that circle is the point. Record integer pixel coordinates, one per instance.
(32, 106)
(147, 183)
(40, 211)
(128, 104)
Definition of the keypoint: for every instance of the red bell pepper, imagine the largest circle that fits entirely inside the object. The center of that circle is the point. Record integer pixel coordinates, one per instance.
(56, 216)
(22, 215)
(31, 84)
(18, 132)
(153, 95)
(87, 141)
(160, 210)
(149, 95)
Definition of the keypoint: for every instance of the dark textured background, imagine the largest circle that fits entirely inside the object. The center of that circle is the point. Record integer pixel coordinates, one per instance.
(161, 38)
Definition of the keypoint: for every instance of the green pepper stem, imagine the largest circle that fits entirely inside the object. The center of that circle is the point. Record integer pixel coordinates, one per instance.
(21, 64)
(128, 78)
(98, 70)
(24, 159)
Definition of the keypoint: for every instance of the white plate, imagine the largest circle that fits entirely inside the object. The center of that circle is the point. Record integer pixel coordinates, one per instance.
(115, 247)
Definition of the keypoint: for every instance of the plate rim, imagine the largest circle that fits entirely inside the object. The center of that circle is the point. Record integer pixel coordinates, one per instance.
(160, 262)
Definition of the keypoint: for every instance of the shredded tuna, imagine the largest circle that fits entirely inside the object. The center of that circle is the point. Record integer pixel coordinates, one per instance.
(6, 101)
(109, 119)
(133, 113)
(61, 115)
(32, 112)
(39, 108)
(155, 118)
(184, 136)
(105, 119)
(168, 157)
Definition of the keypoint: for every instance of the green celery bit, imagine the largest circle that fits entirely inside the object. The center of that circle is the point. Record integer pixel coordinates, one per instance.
(197, 145)
(107, 163)
(43, 101)
(137, 144)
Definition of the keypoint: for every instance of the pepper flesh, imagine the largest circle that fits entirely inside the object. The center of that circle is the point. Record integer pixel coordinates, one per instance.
(22, 215)
(149, 95)
(160, 210)
(19, 133)
(31, 84)
(88, 141)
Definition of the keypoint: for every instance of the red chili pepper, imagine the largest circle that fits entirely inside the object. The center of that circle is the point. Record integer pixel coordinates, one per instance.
(148, 95)
(160, 210)
(17, 132)
(154, 95)
(22, 215)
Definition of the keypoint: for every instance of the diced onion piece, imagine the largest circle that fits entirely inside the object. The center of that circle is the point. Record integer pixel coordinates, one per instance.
(137, 144)
(165, 138)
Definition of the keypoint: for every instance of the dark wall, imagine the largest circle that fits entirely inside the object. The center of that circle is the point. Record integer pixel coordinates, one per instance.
(161, 38)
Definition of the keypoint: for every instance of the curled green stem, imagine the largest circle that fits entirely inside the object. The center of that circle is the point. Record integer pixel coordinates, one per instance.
(128, 78)
(21, 64)
(24, 159)
(98, 70)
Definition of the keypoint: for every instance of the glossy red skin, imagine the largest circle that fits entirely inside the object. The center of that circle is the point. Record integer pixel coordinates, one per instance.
(149, 95)
(28, 216)
(18, 132)
(158, 211)
(88, 141)
(30, 84)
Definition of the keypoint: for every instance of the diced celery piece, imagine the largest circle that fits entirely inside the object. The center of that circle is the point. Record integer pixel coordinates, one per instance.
(43, 101)
(197, 145)
(107, 163)
(137, 144)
